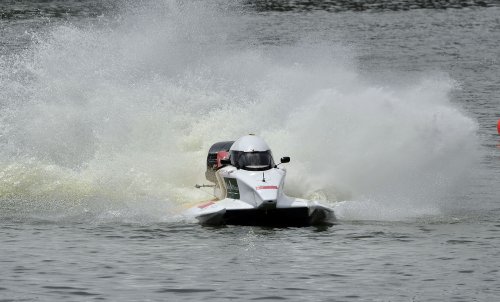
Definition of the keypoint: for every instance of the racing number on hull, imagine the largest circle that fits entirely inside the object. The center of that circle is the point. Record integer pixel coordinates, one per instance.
(232, 188)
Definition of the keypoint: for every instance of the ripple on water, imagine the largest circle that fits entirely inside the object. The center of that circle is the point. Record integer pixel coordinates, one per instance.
(269, 298)
(77, 291)
(185, 290)
(459, 241)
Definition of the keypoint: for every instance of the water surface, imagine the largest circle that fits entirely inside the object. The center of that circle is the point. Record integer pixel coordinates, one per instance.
(387, 109)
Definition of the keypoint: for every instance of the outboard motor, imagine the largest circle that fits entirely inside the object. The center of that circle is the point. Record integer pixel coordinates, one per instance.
(212, 164)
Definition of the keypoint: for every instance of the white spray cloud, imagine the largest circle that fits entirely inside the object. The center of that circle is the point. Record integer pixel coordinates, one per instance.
(121, 114)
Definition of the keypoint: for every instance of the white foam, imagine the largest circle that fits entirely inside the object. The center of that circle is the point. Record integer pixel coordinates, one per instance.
(125, 111)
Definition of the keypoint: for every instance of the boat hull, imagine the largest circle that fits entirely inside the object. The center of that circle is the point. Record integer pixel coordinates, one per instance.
(281, 217)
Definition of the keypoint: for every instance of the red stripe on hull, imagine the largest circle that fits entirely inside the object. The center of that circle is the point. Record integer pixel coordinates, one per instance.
(202, 206)
(267, 188)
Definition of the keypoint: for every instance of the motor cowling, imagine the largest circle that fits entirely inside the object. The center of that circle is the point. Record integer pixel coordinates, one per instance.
(218, 151)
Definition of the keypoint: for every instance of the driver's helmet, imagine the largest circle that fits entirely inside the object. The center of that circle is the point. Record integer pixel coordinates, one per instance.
(252, 153)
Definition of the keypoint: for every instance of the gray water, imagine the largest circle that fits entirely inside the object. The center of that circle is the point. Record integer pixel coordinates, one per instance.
(387, 109)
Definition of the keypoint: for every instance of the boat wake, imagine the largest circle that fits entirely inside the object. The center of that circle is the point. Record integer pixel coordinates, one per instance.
(115, 116)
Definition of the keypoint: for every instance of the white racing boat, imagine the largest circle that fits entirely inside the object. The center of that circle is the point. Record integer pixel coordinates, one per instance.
(248, 189)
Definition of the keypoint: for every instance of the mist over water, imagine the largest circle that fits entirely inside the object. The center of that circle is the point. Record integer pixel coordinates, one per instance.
(112, 119)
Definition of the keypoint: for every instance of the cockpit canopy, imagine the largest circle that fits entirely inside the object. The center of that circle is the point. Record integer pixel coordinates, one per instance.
(249, 152)
(252, 161)
(250, 143)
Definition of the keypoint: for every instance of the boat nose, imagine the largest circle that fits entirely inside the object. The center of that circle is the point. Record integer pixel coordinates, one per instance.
(268, 195)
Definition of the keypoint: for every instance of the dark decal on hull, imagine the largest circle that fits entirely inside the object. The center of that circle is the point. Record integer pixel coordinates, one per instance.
(232, 188)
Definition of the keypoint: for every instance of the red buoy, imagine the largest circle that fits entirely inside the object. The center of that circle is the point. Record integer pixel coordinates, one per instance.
(498, 127)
